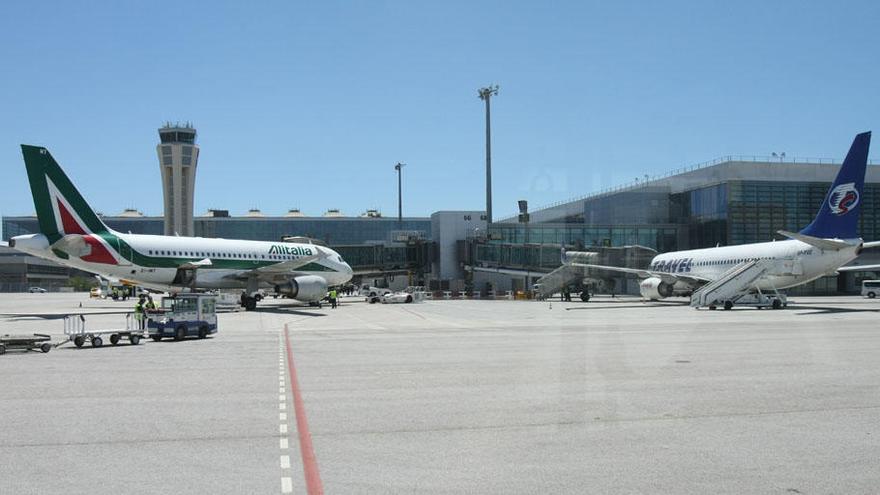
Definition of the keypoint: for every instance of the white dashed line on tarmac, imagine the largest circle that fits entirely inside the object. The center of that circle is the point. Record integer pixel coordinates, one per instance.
(283, 442)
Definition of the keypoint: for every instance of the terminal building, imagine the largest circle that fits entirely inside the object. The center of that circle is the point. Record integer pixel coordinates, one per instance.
(19, 272)
(728, 201)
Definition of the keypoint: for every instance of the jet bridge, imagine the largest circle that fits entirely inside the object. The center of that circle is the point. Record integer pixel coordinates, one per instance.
(736, 286)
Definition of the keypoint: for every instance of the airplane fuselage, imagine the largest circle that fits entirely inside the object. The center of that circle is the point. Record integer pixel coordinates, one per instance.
(153, 260)
(792, 262)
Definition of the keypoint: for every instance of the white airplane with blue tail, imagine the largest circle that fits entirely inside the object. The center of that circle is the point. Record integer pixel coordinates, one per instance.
(822, 248)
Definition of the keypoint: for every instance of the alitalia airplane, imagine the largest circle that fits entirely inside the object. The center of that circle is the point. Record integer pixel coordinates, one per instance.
(71, 234)
(821, 248)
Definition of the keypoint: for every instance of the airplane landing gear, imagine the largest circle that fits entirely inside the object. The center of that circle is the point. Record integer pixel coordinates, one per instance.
(251, 294)
(249, 303)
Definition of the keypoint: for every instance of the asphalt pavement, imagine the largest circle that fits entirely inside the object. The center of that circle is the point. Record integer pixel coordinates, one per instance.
(610, 396)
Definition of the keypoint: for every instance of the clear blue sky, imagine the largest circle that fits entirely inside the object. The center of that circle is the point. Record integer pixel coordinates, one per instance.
(310, 104)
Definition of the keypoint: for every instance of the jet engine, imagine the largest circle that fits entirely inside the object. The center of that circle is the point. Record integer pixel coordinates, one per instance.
(655, 288)
(307, 288)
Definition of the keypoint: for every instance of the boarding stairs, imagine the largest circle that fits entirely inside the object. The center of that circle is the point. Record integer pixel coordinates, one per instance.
(556, 280)
(732, 285)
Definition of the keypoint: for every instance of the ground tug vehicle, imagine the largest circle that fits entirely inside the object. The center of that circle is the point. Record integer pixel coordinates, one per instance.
(183, 315)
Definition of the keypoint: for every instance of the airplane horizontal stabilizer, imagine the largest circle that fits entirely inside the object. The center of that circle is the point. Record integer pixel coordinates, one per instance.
(872, 244)
(859, 268)
(823, 244)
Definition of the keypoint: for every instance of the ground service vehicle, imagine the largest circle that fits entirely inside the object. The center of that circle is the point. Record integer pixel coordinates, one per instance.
(870, 288)
(406, 297)
(373, 294)
(182, 316)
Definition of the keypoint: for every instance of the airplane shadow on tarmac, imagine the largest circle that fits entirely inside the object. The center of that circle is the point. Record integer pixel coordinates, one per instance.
(289, 311)
(825, 310)
(629, 304)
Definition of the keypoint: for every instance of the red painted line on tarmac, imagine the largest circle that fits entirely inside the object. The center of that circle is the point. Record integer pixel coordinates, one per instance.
(310, 462)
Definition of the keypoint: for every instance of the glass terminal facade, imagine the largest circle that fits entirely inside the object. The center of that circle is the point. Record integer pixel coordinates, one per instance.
(661, 238)
(730, 203)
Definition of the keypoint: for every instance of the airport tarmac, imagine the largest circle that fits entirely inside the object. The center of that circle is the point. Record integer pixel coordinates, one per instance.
(610, 396)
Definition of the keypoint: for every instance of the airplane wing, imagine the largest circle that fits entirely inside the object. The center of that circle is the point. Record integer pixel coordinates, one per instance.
(859, 268)
(196, 264)
(862, 268)
(641, 273)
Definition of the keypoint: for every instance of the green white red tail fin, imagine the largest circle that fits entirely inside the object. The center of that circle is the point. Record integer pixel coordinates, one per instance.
(61, 209)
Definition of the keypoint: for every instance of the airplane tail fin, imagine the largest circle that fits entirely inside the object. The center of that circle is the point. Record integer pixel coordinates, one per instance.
(838, 217)
(61, 209)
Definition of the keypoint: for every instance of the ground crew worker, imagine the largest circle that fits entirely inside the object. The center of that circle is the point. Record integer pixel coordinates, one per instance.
(332, 297)
(139, 312)
(149, 307)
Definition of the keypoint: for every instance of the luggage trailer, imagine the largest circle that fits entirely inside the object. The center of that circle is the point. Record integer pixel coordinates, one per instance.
(76, 331)
(26, 342)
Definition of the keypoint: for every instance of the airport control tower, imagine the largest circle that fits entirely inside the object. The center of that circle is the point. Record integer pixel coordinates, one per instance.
(178, 158)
